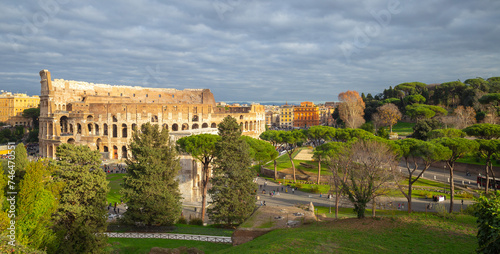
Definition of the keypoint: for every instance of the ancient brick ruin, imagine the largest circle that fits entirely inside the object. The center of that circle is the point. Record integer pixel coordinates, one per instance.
(104, 116)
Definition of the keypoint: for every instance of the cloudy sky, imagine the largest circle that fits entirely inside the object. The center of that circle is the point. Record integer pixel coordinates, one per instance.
(252, 50)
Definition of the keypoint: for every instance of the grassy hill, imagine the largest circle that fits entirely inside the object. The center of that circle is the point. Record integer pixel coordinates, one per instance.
(417, 233)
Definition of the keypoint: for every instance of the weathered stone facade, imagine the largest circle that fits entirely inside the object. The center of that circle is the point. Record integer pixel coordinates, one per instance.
(103, 117)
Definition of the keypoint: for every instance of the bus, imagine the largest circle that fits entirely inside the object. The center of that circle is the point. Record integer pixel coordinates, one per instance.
(481, 181)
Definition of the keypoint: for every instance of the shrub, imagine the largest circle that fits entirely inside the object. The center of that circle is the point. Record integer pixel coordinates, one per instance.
(315, 188)
(299, 185)
(196, 221)
(182, 220)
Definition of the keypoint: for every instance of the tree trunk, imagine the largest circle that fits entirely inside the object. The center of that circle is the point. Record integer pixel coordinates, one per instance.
(275, 170)
(487, 185)
(293, 165)
(493, 173)
(409, 196)
(206, 174)
(374, 207)
(319, 169)
(452, 186)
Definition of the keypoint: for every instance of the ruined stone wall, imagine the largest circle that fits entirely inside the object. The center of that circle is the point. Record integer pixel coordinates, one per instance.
(103, 117)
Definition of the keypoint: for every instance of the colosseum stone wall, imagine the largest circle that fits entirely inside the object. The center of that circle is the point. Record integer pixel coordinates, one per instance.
(104, 116)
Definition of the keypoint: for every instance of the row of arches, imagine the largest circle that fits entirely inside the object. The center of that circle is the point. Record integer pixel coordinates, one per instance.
(116, 130)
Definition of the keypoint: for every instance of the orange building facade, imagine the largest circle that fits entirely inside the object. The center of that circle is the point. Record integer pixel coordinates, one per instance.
(306, 115)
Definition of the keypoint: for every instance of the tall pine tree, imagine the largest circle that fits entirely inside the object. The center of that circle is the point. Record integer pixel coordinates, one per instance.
(150, 188)
(233, 189)
(37, 200)
(81, 216)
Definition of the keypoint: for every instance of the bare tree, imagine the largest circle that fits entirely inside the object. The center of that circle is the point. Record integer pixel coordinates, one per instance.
(464, 117)
(338, 159)
(491, 116)
(351, 110)
(369, 173)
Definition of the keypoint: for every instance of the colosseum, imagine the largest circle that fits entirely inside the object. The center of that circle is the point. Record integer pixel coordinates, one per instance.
(103, 117)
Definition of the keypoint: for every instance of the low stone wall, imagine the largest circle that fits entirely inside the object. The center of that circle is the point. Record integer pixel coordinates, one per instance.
(241, 236)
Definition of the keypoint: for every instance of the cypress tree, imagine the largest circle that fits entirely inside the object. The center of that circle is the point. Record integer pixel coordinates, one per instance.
(233, 190)
(150, 188)
(81, 216)
(20, 161)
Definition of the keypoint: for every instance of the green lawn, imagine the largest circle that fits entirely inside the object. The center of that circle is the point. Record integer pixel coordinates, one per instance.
(345, 212)
(136, 246)
(403, 129)
(115, 181)
(471, 159)
(283, 162)
(415, 233)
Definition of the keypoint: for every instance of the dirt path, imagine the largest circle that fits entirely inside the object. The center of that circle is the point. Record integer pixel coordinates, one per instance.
(305, 154)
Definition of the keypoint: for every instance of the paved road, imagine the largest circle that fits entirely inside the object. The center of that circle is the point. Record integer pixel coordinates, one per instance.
(298, 197)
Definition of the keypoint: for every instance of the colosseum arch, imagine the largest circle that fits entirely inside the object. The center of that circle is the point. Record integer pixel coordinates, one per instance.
(195, 126)
(105, 129)
(97, 129)
(204, 125)
(185, 127)
(124, 130)
(51, 129)
(89, 126)
(63, 121)
(165, 126)
(90, 118)
(71, 141)
(154, 119)
(78, 128)
(98, 144)
(195, 118)
(115, 131)
(175, 127)
(124, 152)
(214, 125)
(115, 119)
(241, 117)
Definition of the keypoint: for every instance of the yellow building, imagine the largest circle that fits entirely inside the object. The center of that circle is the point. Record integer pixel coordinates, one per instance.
(13, 105)
(286, 116)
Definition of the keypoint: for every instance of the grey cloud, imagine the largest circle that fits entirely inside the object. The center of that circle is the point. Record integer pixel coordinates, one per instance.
(250, 50)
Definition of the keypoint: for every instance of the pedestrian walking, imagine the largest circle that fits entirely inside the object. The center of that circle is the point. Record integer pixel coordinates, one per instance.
(293, 190)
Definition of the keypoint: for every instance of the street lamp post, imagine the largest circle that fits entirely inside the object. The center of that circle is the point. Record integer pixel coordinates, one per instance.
(444, 188)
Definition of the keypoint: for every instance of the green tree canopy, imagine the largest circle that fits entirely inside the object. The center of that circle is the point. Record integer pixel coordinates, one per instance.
(292, 139)
(487, 211)
(493, 98)
(459, 148)
(261, 151)
(81, 215)
(483, 131)
(318, 133)
(201, 147)
(38, 199)
(150, 186)
(34, 114)
(233, 190)
(422, 111)
(449, 132)
(413, 152)
(423, 127)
